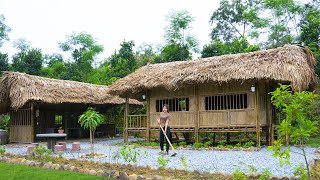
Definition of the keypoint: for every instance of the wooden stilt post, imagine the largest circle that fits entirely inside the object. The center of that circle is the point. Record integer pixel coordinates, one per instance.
(228, 137)
(126, 112)
(197, 114)
(268, 116)
(32, 123)
(257, 100)
(148, 117)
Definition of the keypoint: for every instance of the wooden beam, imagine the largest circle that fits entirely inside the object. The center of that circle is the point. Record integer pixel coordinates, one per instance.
(257, 100)
(126, 113)
(197, 114)
(148, 104)
(32, 123)
(268, 115)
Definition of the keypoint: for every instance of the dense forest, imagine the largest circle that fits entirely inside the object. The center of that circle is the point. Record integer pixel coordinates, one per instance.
(237, 26)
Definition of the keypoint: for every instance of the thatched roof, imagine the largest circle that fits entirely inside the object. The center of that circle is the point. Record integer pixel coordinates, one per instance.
(291, 64)
(17, 89)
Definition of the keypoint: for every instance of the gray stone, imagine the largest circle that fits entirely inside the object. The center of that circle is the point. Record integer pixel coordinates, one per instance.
(114, 174)
(133, 177)
(76, 169)
(123, 176)
(47, 165)
(100, 172)
(140, 177)
(72, 168)
(106, 174)
(92, 172)
(66, 167)
(156, 177)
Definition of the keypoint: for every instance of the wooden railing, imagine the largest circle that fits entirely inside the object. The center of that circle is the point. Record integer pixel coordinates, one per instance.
(137, 121)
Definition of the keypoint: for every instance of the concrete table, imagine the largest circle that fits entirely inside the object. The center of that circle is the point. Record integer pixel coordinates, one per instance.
(51, 138)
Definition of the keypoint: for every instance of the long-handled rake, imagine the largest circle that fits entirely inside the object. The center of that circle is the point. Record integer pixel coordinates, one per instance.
(174, 152)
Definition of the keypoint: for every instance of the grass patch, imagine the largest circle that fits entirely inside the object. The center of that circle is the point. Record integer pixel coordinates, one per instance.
(13, 171)
(314, 141)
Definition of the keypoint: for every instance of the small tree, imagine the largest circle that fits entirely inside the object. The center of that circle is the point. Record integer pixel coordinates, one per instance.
(4, 124)
(91, 119)
(298, 123)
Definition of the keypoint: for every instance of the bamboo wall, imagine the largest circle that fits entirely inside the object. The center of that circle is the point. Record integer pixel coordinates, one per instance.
(223, 118)
(21, 126)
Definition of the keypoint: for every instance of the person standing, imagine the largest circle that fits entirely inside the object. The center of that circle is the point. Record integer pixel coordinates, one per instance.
(163, 121)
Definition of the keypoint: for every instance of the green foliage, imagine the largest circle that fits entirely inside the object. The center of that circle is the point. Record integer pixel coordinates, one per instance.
(28, 61)
(252, 170)
(4, 62)
(2, 150)
(266, 174)
(301, 172)
(4, 30)
(229, 146)
(130, 154)
(248, 144)
(162, 162)
(238, 145)
(4, 124)
(42, 152)
(153, 144)
(208, 144)
(91, 119)
(283, 154)
(238, 175)
(197, 145)
(184, 163)
(222, 143)
(182, 143)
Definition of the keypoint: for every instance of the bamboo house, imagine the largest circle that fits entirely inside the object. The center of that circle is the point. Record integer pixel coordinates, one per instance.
(42, 105)
(228, 93)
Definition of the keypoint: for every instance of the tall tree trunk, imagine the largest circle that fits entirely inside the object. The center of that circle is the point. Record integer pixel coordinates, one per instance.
(91, 142)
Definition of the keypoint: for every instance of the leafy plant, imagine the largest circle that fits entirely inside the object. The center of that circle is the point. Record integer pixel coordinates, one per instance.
(162, 162)
(222, 142)
(238, 175)
(182, 143)
(208, 143)
(91, 119)
(116, 156)
(248, 144)
(130, 154)
(252, 170)
(301, 172)
(266, 174)
(238, 145)
(298, 123)
(229, 146)
(2, 150)
(184, 163)
(42, 152)
(5, 122)
(197, 145)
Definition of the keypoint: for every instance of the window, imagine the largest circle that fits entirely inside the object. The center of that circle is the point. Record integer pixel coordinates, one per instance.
(223, 102)
(175, 104)
(57, 119)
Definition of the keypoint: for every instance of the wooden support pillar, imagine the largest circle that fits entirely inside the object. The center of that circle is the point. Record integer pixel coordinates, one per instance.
(214, 138)
(32, 135)
(197, 114)
(228, 137)
(148, 104)
(257, 107)
(126, 113)
(268, 116)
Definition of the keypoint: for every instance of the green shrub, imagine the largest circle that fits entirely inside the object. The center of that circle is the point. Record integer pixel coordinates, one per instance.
(2, 150)
(174, 144)
(266, 174)
(222, 142)
(197, 145)
(238, 145)
(301, 172)
(184, 163)
(238, 175)
(182, 143)
(229, 146)
(252, 170)
(248, 144)
(152, 144)
(130, 154)
(162, 162)
(4, 124)
(42, 152)
(208, 143)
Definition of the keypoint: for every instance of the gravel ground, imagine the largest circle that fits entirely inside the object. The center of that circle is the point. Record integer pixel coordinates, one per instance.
(202, 160)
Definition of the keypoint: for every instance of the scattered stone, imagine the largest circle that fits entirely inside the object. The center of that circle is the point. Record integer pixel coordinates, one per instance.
(156, 177)
(275, 178)
(100, 172)
(29, 163)
(23, 160)
(76, 169)
(285, 178)
(140, 177)
(66, 167)
(123, 176)
(148, 178)
(133, 177)
(30, 149)
(47, 165)
(92, 172)
(38, 164)
(72, 168)
(114, 174)
(106, 174)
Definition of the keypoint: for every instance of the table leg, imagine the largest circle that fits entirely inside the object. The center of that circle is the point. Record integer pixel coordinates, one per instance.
(51, 143)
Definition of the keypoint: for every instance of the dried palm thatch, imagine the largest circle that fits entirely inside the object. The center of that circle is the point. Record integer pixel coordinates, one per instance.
(17, 89)
(291, 64)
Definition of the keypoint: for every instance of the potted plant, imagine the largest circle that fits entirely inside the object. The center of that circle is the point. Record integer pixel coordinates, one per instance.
(60, 130)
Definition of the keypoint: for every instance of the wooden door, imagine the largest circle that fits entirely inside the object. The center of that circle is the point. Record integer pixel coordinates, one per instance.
(21, 128)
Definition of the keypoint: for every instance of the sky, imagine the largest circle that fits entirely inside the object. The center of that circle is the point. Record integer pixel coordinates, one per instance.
(44, 23)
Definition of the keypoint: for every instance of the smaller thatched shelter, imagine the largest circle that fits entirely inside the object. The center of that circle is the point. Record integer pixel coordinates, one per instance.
(38, 104)
(226, 93)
